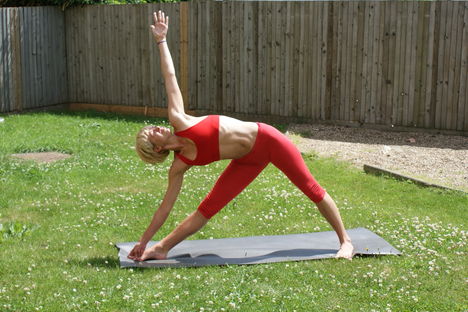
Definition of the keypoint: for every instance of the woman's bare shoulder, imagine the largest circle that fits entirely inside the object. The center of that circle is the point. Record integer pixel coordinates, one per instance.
(186, 122)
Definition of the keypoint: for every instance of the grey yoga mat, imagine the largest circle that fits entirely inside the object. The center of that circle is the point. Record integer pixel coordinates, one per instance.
(260, 249)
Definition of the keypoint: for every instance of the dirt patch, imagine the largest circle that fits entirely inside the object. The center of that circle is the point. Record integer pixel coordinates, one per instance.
(435, 158)
(43, 157)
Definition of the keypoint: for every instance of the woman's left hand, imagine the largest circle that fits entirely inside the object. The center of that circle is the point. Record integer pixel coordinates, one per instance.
(137, 251)
(160, 26)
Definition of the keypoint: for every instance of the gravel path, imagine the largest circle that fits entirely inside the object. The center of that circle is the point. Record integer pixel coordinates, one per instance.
(434, 158)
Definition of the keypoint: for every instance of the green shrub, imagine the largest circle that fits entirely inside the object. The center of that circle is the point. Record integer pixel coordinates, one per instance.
(69, 3)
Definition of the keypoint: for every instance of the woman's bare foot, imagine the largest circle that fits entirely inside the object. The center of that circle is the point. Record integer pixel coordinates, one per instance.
(156, 252)
(346, 251)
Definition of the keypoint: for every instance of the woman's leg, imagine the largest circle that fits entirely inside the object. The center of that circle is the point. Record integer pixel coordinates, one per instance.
(232, 181)
(285, 155)
(235, 178)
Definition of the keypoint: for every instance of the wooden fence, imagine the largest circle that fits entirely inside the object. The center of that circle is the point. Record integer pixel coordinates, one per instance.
(32, 58)
(369, 62)
(384, 62)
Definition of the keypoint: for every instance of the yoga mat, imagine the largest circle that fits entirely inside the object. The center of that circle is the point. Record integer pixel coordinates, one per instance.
(260, 249)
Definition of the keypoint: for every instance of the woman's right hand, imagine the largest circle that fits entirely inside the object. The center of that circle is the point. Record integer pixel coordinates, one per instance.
(137, 251)
(160, 26)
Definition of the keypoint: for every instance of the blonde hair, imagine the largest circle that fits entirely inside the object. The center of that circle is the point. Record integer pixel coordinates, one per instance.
(145, 149)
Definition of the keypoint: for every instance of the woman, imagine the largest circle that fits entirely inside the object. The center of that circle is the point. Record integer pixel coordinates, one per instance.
(202, 140)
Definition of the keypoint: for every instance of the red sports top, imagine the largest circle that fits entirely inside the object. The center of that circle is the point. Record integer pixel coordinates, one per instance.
(205, 135)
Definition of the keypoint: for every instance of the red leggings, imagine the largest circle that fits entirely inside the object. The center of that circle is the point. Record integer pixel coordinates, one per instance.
(270, 146)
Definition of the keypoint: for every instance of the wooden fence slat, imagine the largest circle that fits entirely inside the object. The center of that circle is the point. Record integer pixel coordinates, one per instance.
(341, 67)
(413, 72)
(56, 57)
(448, 64)
(39, 58)
(350, 52)
(269, 59)
(311, 29)
(463, 95)
(4, 76)
(3, 50)
(421, 34)
(456, 66)
(261, 57)
(15, 62)
(242, 60)
(428, 111)
(286, 101)
(379, 22)
(301, 99)
(352, 73)
(282, 47)
(372, 66)
(39, 34)
(345, 54)
(406, 89)
(323, 23)
(227, 51)
(402, 63)
(274, 58)
(251, 57)
(69, 36)
(365, 61)
(30, 55)
(440, 68)
(294, 61)
(317, 64)
(9, 58)
(45, 66)
(435, 61)
(390, 64)
(384, 59)
(209, 55)
(218, 46)
(358, 77)
(335, 51)
(316, 39)
(337, 103)
(238, 52)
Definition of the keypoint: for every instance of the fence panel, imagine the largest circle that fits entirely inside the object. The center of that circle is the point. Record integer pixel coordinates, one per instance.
(33, 58)
(387, 63)
(113, 59)
(368, 62)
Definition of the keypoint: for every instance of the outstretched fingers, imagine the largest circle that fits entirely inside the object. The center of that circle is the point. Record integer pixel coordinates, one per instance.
(160, 17)
(155, 18)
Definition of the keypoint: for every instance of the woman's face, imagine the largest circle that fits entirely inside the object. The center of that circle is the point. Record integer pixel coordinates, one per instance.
(159, 135)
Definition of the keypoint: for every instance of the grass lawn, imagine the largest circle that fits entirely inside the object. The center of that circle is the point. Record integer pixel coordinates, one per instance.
(60, 222)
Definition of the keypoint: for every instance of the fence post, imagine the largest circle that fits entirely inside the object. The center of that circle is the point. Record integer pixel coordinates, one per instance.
(184, 68)
(15, 30)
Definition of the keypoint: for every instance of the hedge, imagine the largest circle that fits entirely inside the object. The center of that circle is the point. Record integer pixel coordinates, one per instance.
(68, 3)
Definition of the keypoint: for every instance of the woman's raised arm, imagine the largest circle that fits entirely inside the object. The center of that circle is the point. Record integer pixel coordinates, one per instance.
(175, 108)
